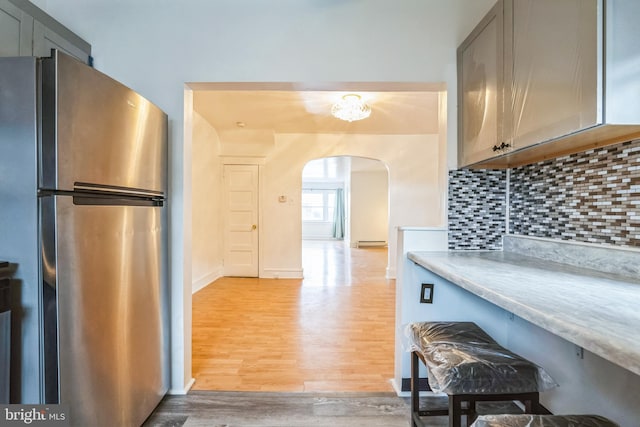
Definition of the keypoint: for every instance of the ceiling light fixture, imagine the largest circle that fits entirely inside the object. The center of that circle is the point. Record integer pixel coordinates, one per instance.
(351, 108)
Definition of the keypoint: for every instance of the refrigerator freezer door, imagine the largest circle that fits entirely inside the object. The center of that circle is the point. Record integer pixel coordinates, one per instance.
(109, 291)
(97, 131)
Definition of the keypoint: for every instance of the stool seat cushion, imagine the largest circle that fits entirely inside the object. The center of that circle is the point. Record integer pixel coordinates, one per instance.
(463, 359)
(542, 421)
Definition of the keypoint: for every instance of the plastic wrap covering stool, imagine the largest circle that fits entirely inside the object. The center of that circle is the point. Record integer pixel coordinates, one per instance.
(469, 366)
(462, 359)
(543, 421)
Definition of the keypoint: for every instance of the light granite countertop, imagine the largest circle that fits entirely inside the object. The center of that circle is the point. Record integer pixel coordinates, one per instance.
(595, 310)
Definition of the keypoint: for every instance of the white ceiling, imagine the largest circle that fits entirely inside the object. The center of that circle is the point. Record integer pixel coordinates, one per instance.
(287, 110)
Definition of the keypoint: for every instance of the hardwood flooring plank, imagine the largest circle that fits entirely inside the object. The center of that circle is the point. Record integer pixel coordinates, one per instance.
(332, 331)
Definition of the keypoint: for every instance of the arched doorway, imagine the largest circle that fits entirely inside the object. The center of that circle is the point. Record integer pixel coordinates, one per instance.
(344, 206)
(346, 198)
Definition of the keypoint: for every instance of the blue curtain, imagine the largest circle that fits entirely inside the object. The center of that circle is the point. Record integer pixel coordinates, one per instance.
(338, 215)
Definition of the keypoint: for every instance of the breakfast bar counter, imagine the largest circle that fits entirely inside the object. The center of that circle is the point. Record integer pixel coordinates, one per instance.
(594, 309)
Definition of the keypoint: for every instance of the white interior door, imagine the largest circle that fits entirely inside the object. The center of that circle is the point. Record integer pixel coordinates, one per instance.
(241, 224)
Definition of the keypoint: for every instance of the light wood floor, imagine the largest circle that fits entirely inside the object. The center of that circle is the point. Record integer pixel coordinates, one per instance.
(332, 331)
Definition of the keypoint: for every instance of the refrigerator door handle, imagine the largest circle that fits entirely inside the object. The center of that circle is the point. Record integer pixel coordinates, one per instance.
(85, 187)
(88, 199)
(103, 196)
(106, 195)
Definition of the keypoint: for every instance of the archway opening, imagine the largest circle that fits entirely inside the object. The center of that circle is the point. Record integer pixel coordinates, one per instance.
(345, 219)
(346, 198)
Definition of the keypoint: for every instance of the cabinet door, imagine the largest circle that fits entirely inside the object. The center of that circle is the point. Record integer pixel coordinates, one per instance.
(556, 87)
(480, 89)
(45, 39)
(15, 30)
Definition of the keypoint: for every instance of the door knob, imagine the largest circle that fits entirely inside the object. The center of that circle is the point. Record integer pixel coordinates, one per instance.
(253, 227)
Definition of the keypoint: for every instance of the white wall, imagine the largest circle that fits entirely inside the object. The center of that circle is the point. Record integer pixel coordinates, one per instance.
(407, 292)
(155, 46)
(206, 256)
(370, 206)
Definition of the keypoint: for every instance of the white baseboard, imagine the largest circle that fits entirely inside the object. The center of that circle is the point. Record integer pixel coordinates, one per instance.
(398, 389)
(206, 279)
(391, 273)
(281, 273)
(371, 244)
(182, 391)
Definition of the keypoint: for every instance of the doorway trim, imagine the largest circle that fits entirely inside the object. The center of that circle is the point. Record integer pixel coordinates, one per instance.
(180, 232)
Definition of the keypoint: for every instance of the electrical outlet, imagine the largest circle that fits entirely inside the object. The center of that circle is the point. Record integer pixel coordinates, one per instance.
(426, 293)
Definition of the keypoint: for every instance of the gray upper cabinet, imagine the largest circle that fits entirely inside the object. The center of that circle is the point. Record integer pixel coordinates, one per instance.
(45, 39)
(556, 80)
(480, 88)
(568, 83)
(16, 29)
(26, 30)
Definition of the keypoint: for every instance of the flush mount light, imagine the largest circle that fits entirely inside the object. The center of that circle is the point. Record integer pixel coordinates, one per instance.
(351, 108)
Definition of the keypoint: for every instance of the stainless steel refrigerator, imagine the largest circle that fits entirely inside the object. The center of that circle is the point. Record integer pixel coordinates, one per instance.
(82, 216)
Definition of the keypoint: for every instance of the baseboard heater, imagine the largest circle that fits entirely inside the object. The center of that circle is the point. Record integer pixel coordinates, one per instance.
(370, 243)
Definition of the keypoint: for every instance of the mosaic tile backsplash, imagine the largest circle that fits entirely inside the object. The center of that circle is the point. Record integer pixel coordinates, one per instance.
(476, 209)
(592, 196)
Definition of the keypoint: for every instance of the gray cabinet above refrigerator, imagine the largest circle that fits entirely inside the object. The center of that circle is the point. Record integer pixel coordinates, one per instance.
(26, 30)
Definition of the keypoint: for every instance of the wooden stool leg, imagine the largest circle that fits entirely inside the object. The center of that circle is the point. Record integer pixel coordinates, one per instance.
(415, 387)
(455, 411)
(531, 403)
(471, 412)
(528, 407)
(535, 404)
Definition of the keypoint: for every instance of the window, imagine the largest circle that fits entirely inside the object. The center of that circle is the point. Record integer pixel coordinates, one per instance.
(318, 205)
